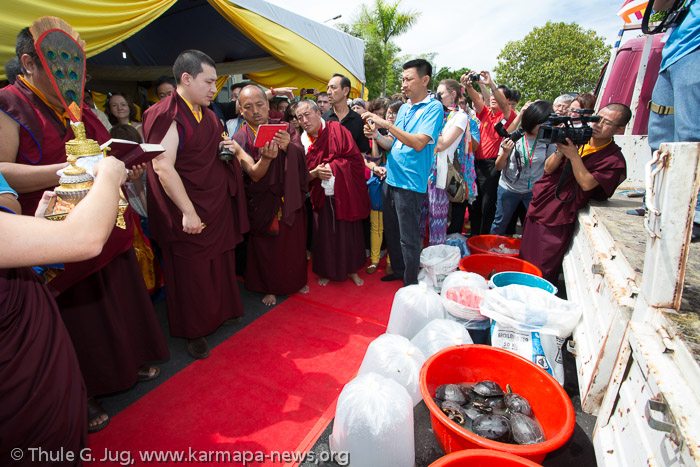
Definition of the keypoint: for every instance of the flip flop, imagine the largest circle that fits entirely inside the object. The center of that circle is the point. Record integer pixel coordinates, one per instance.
(95, 410)
(144, 373)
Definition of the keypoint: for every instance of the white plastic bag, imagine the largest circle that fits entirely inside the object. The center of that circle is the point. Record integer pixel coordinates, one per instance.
(459, 284)
(436, 262)
(541, 349)
(414, 306)
(329, 186)
(440, 334)
(374, 423)
(531, 309)
(393, 356)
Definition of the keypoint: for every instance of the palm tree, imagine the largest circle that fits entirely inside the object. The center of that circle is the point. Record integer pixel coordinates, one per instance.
(382, 23)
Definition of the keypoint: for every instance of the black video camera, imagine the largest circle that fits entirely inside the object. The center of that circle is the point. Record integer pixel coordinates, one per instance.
(551, 131)
(502, 132)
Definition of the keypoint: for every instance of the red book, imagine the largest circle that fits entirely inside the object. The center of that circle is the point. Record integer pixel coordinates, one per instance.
(266, 132)
(132, 153)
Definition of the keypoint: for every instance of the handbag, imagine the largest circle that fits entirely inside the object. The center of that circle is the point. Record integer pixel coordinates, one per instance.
(455, 189)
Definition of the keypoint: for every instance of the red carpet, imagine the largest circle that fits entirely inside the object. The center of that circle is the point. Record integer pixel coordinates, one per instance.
(270, 387)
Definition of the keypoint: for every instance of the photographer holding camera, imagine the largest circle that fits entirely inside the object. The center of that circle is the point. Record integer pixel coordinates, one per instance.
(572, 177)
(483, 209)
(521, 162)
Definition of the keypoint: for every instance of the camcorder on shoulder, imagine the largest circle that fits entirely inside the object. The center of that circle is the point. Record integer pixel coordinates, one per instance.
(558, 128)
(502, 132)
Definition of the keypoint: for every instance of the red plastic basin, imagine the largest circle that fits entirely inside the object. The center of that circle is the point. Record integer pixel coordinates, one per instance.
(471, 363)
(481, 244)
(482, 458)
(484, 265)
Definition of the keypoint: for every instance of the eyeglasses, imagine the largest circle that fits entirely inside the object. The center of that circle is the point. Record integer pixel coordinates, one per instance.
(608, 122)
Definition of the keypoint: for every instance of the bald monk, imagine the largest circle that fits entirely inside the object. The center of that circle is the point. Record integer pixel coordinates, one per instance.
(103, 301)
(338, 246)
(41, 388)
(276, 181)
(196, 206)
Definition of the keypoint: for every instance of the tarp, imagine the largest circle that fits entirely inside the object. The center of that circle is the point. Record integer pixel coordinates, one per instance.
(139, 40)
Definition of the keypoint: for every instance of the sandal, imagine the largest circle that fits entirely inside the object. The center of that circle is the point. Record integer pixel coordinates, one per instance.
(95, 411)
(147, 373)
(372, 268)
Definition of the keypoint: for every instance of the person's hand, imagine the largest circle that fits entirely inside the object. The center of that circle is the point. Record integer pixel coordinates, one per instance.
(370, 130)
(380, 172)
(269, 151)
(282, 139)
(524, 108)
(136, 172)
(507, 145)
(43, 204)
(486, 78)
(285, 91)
(110, 167)
(191, 223)
(377, 121)
(230, 144)
(322, 171)
(569, 151)
(464, 79)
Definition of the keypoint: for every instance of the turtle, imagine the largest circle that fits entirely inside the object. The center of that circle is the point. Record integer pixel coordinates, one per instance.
(493, 427)
(526, 430)
(450, 392)
(515, 403)
(488, 388)
(454, 411)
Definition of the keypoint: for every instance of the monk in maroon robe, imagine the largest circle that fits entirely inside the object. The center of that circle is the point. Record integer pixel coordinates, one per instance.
(103, 301)
(41, 388)
(196, 206)
(338, 245)
(276, 181)
(593, 172)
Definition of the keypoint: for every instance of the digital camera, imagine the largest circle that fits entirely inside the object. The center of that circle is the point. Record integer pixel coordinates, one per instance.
(502, 132)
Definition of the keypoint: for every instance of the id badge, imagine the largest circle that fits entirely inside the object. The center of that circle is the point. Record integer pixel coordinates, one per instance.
(529, 183)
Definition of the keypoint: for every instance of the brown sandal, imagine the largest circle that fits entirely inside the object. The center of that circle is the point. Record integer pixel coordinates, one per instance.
(95, 411)
(145, 374)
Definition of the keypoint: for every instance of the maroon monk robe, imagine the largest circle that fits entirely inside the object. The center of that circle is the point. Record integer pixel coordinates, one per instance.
(276, 261)
(200, 279)
(338, 245)
(42, 392)
(550, 222)
(103, 300)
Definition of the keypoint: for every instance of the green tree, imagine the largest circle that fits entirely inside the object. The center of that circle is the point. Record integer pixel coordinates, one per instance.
(551, 60)
(377, 26)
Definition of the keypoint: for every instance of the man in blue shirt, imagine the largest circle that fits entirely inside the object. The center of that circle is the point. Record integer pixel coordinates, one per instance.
(676, 97)
(412, 142)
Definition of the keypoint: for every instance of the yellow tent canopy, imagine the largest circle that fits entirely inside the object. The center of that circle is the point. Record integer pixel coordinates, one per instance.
(139, 41)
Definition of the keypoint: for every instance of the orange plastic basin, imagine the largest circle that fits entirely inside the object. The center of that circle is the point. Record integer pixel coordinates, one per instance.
(472, 363)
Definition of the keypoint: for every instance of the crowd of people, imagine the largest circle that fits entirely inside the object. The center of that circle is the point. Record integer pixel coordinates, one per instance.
(341, 181)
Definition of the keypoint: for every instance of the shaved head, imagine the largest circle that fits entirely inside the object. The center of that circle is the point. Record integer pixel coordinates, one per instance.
(252, 90)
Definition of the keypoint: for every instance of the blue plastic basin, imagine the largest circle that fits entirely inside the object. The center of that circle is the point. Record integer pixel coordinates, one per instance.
(521, 278)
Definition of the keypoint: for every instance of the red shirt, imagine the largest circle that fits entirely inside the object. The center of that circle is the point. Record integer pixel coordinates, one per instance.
(490, 141)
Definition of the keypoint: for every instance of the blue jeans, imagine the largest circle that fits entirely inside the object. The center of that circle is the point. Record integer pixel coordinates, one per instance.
(677, 86)
(506, 205)
(402, 230)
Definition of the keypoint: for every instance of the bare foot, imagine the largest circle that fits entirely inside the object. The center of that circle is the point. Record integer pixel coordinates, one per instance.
(323, 281)
(304, 289)
(269, 300)
(356, 279)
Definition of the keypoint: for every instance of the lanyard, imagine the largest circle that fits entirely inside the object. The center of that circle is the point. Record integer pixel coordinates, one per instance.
(527, 153)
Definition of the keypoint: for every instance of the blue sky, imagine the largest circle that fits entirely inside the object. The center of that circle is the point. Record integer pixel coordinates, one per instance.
(471, 33)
